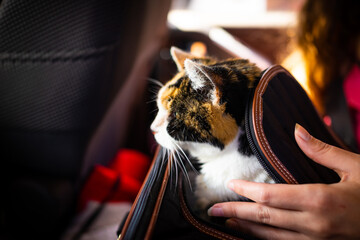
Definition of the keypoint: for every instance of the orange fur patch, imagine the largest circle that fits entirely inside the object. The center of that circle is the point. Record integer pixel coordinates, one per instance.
(170, 93)
(223, 126)
(167, 96)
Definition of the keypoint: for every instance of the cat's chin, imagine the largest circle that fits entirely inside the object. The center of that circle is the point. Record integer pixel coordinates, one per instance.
(202, 150)
(166, 141)
(163, 141)
(206, 152)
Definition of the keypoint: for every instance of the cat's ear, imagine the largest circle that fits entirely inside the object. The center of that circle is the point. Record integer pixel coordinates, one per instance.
(201, 75)
(179, 57)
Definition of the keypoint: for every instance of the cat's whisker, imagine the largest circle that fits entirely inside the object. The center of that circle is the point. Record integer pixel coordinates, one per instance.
(163, 156)
(154, 90)
(183, 169)
(151, 112)
(151, 101)
(179, 157)
(182, 155)
(169, 160)
(156, 82)
(192, 136)
(186, 157)
(174, 163)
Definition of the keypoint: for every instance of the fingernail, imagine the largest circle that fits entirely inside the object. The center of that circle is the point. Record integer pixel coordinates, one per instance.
(216, 211)
(302, 133)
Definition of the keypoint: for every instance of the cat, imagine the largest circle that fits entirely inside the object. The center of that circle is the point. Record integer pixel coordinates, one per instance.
(201, 110)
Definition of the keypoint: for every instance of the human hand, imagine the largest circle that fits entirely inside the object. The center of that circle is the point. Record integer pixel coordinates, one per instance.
(305, 211)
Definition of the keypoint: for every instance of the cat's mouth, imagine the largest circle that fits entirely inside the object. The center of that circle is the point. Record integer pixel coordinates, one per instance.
(164, 139)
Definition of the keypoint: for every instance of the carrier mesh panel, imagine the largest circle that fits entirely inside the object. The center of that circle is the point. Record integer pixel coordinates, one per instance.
(55, 62)
(58, 63)
(58, 75)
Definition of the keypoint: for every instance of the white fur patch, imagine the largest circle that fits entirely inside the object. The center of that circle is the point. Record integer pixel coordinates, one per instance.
(158, 127)
(219, 167)
(197, 77)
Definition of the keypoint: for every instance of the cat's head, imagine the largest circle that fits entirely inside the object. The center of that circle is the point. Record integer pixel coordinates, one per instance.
(204, 102)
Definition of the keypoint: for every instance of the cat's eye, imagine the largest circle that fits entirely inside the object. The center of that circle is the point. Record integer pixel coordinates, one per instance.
(174, 115)
(169, 99)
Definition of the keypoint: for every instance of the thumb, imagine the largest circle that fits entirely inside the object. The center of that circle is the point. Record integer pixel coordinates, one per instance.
(341, 161)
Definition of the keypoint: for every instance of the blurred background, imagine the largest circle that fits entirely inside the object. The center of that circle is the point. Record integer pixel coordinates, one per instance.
(76, 98)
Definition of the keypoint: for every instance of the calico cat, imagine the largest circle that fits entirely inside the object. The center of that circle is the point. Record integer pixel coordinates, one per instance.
(202, 111)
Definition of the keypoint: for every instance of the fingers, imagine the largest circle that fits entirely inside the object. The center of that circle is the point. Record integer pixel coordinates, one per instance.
(322, 220)
(259, 213)
(332, 157)
(263, 231)
(284, 196)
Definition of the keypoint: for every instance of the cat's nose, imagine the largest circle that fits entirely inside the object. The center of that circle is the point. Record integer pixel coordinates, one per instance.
(153, 129)
(157, 123)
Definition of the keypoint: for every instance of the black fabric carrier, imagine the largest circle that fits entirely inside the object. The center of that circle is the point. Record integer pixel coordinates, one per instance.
(163, 210)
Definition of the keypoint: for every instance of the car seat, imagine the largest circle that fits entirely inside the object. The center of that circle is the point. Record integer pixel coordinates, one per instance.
(71, 73)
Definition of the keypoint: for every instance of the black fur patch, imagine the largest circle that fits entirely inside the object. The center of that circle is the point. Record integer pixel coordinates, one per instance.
(178, 83)
(187, 106)
(235, 94)
(244, 146)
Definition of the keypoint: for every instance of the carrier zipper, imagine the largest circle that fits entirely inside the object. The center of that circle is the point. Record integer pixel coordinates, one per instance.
(250, 137)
